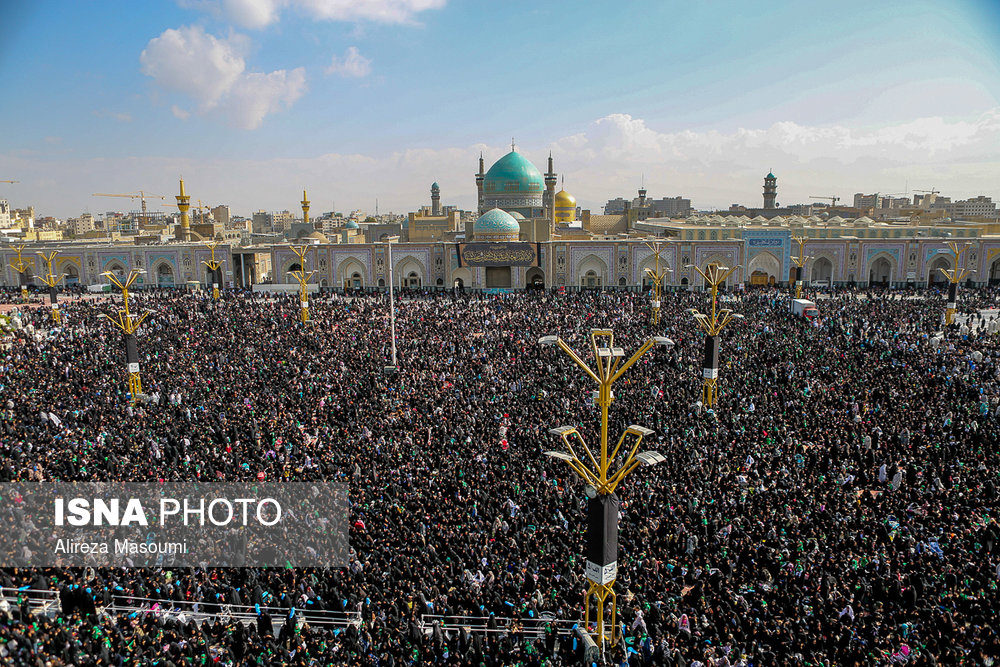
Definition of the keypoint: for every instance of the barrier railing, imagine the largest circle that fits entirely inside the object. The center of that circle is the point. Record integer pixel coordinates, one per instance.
(46, 602)
(530, 628)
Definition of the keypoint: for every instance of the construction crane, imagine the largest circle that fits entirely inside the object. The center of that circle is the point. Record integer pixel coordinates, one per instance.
(141, 196)
(833, 200)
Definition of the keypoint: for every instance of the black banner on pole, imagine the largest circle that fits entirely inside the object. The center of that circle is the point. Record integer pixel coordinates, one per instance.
(602, 538)
(131, 349)
(711, 364)
(53, 295)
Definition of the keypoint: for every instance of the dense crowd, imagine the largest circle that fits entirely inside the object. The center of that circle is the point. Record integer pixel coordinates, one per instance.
(838, 507)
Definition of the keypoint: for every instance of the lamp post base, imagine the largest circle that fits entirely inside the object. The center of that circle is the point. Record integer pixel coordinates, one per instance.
(134, 386)
(709, 393)
(602, 633)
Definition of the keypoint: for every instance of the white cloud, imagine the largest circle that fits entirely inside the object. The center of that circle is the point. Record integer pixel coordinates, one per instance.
(714, 168)
(380, 11)
(190, 61)
(257, 14)
(261, 94)
(353, 64)
(251, 13)
(211, 71)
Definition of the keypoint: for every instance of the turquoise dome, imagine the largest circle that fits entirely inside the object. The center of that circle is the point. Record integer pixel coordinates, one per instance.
(513, 173)
(771, 175)
(351, 225)
(496, 225)
(435, 186)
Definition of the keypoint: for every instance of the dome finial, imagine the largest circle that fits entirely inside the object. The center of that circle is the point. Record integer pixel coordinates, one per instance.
(512, 146)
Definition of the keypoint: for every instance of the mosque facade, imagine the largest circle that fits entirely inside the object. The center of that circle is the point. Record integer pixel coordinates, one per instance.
(526, 236)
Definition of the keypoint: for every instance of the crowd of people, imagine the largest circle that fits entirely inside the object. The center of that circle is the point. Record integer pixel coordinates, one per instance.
(838, 506)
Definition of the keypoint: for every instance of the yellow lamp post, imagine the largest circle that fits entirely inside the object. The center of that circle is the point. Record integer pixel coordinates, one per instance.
(955, 276)
(714, 275)
(52, 280)
(21, 266)
(602, 526)
(799, 262)
(128, 323)
(213, 266)
(657, 277)
(303, 277)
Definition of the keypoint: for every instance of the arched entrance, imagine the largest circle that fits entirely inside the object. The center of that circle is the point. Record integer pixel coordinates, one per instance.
(764, 269)
(822, 271)
(535, 278)
(352, 274)
(459, 284)
(591, 272)
(164, 275)
(934, 276)
(995, 272)
(72, 275)
(880, 272)
(116, 268)
(408, 272)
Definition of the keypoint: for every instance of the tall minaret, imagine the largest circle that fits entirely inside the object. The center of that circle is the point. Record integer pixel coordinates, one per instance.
(183, 205)
(480, 177)
(435, 199)
(549, 200)
(770, 190)
(305, 208)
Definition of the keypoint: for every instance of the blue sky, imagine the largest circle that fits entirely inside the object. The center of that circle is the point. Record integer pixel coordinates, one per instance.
(252, 100)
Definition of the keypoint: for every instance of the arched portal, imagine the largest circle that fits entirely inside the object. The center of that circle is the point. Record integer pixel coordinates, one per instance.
(592, 271)
(462, 278)
(535, 278)
(116, 268)
(995, 272)
(590, 280)
(408, 272)
(935, 276)
(72, 275)
(165, 275)
(764, 269)
(822, 271)
(880, 272)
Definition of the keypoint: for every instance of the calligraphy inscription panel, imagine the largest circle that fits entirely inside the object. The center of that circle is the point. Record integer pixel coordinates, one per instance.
(498, 254)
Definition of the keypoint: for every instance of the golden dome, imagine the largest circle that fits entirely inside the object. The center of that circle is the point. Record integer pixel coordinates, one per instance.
(565, 207)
